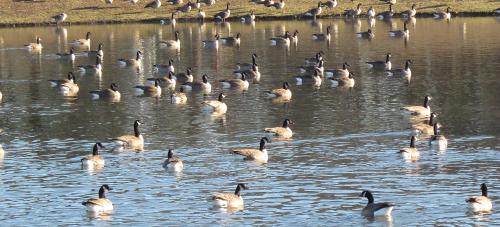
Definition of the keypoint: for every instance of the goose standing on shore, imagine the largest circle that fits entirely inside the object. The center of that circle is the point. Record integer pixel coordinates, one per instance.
(279, 5)
(381, 65)
(133, 142)
(223, 15)
(59, 18)
(330, 4)
(371, 12)
(209, 2)
(101, 204)
(35, 46)
(372, 207)
(176, 43)
(201, 15)
(154, 4)
(480, 203)
(111, 93)
(314, 11)
(392, 2)
(411, 12)
(229, 200)
(353, 12)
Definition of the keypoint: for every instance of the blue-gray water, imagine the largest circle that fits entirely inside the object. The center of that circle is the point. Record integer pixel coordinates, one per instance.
(345, 141)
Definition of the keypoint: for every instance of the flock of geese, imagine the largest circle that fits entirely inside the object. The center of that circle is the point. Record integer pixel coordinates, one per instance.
(312, 72)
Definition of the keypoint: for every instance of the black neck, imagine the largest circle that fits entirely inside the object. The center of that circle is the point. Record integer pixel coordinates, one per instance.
(38, 40)
(431, 120)
(412, 142)
(407, 65)
(344, 66)
(435, 129)
(176, 36)
(237, 191)
(369, 196)
(221, 97)
(102, 193)
(285, 124)
(484, 190)
(95, 151)
(426, 102)
(262, 144)
(387, 58)
(170, 154)
(136, 130)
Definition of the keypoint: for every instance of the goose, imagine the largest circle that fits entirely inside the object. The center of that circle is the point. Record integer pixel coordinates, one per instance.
(165, 68)
(404, 33)
(209, 2)
(279, 5)
(343, 81)
(69, 56)
(312, 68)
(170, 20)
(314, 60)
(134, 142)
(212, 43)
(411, 12)
(196, 5)
(179, 97)
(480, 203)
(323, 36)
(166, 81)
(216, 106)
(134, 1)
(370, 208)
(283, 92)
(247, 66)
(154, 4)
(438, 140)
(175, 2)
(392, 2)
(94, 53)
(283, 132)
(228, 199)
(425, 129)
(314, 11)
(314, 79)
(34, 46)
(386, 15)
(56, 83)
(381, 65)
(269, 3)
(248, 18)
(338, 73)
(366, 35)
(94, 159)
(173, 162)
(185, 8)
(295, 37)
(406, 72)
(110, 93)
(202, 86)
(69, 88)
(241, 84)
(186, 77)
(231, 40)
(353, 12)
(258, 155)
(59, 18)
(149, 90)
(443, 15)
(411, 152)
(330, 4)
(132, 62)
(201, 15)
(424, 110)
(101, 204)
(223, 15)
(82, 42)
(285, 41)
(497, 10)
(371, 12)
(252, 73)
(176, 43)
(109, 1)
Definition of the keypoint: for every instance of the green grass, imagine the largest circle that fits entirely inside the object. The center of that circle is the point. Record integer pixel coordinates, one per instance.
(19, 12)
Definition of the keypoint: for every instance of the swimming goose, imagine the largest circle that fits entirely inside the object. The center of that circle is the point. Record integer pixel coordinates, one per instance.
(283, 93)
(94, 159)
(443, 15)
(314, 11)
(175, 2)
(438, 140)
(209, 2)
(110, 93)
(69, 56)
(186, 77)
(392, 2)
(314, 60)
(185, 8)
(480, 203)
(283, 132)
(371, 12)
(56, 83)
(411, 152)
(425, 129)
(228, 199)
(330, 4)
(165, 68)
(154, 4)
(314, 79)
(247, 66)
(179, 97)
(132, 62)
(241, 84)
(149, 90)
(370, 208)
(406, 72)
(176, 43)
(295, 37)
(82, 42)
(170, 20)
(216, 106)
(323, 36)
(59, 18)
(202, 86)
(252, 73)
(279, 5)
(231, 40)
(313, 68)
(411, 12)
(353, 12)
(101, 204)
(343, 81)
(381, 65)
(258, 155)
(424, 110)
(134, 142)
(70, 88)
(34, 46)
(248, 18)
(285, 41)
(212, 43)
(338, 73)
(223, 15)
(386, 15)
(173, 162)
(94, 53)
(366, 35)
(168, 81)
(400, 33)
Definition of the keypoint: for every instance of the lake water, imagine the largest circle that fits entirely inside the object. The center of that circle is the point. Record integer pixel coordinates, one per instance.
(345, 141)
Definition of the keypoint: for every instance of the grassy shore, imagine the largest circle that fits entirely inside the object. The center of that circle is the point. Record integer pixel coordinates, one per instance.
(38, 12)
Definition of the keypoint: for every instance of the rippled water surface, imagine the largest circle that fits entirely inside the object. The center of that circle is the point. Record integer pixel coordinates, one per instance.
(345, 141)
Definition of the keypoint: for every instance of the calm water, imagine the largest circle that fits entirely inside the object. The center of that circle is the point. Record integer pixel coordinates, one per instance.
(345, 140)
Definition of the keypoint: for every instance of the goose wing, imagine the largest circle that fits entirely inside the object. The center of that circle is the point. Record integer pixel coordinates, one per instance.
(247, 152)
(225, 197)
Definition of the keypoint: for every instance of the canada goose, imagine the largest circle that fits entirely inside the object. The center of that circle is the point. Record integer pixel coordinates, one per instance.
(69, 56)
(371, 12)
(424, 110)
(353, 12)
(370, 208)
(295, 37)
(134, 142)
(179, 97)
(154, 4)
(438, 140)
(69, 88)
(443, 15)
(148, 90)
(202, 86)
(173, 162)
(314, 60)
(381, 65)
(480, 203)
(314, 79)
(165, 68)
(110, 93)
(228, 199)
(314, 11)
(497, 10)
(170, 20)
(283, 93)
(209, 2)
(241, 84)
(1, 96)
(94, 53)
(247, 66)
(269, 3)
(425, 129)
(283, 132)
(285, 41)
(82, 42)
(231, 40)
(323, 36)
(252, 73)
(343, 81)
(101, 204)
(338, 73)
(59, 18)
(35, 46)
(366, 35)
(279, 5)
(134, 1)
(411, 152)
(94, 159)
(258, 155)
(313, 68)
(386, 15)
(248, 18)
(406, 72)
(196, 5)
(404, 33)
(223, 15)
(132, 62)
(216, 106)
(201, 15)
(168, 81)
(56, 83)
(212, 43)
(392, 2)
(185, 8)
(175, 2)
(411, 12)
(176, 43)
(330, 4)
(109, 1)
(186, 77)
